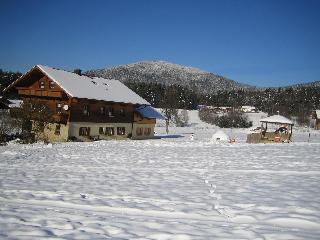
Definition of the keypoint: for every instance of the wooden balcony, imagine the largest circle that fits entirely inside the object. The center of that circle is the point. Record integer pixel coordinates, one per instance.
(39, 93)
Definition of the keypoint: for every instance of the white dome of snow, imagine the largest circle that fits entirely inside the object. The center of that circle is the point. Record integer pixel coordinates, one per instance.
(220, 136)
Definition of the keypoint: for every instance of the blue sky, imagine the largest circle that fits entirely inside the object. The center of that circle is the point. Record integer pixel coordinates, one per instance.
(263, 43)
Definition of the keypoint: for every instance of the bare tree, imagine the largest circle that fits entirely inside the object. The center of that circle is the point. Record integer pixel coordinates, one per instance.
(34, 116)
(170, 115)
(169, 103)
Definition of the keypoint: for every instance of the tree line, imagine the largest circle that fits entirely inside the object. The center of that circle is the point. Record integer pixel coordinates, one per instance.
(289, 101)
(296, 101)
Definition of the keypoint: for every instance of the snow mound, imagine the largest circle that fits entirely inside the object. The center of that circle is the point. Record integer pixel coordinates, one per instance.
(220, 136)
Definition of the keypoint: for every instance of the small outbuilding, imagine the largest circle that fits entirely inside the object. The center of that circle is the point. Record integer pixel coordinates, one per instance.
(274, 129)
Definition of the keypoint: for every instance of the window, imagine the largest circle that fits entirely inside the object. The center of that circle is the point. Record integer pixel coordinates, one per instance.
(121, 130)
(139, 131)
(51, 84)
(58, 107)
(42, 84)
(102, 110)
(101, 130)
(122, 112)
(110, 112)
(109, 131)
(84, 131)
(86, 110)
(57, 131)
(147, 131)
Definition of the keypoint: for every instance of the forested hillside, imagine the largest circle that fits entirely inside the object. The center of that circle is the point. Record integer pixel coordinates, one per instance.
(296, 100)
(290, 101)
(166, 73)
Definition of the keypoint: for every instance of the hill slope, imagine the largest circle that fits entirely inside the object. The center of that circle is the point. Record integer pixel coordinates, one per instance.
(168, 74)
(308, 84)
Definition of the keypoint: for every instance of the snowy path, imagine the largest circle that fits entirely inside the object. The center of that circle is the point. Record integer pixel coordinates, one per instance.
(160, 189)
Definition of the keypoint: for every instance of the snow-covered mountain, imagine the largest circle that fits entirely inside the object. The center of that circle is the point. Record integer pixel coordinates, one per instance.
(168, 74)
(308, 84)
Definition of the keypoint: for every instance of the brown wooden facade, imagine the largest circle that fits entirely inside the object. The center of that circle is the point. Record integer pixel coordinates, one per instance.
(100, 111)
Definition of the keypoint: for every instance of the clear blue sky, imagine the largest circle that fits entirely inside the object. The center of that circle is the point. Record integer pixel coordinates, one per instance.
(264, 43)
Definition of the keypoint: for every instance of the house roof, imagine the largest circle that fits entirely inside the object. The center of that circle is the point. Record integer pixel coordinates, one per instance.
(81, 86)
(149, 112)
(14, 103)
(10, 103)
(92, 88)
(277, 119)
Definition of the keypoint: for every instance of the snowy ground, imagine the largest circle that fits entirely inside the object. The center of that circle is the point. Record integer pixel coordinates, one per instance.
(169, 188)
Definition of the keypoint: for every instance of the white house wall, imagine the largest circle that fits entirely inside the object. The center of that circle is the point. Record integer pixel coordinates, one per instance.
(94, 130)
(49, 133)
(143, 126)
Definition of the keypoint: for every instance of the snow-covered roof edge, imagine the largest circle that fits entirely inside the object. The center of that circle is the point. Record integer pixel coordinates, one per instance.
(42, 68)
(15, 103)
(17, 80)
(149, 112)
(277, 119)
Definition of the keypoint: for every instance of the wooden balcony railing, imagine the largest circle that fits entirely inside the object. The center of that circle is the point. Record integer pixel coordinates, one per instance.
(40, 93)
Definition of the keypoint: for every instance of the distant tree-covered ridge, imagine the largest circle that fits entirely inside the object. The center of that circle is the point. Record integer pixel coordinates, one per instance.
(295, 101)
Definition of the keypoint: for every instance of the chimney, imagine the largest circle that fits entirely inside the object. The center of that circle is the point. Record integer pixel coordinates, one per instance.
(77, 71)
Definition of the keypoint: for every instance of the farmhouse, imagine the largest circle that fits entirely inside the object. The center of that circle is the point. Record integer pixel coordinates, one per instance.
(85, 108)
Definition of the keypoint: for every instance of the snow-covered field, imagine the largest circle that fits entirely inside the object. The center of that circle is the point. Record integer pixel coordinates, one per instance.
(169, 188)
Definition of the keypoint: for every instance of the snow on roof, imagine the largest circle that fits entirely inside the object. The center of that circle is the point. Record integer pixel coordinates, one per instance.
(248, 107)
(14, 103)
(318, 113)
(277, 119)
(149, 112)
(92, 88)
(10, 103)
(220, 136)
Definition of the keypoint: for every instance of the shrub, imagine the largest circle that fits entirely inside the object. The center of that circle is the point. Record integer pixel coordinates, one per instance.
(207, 115)
(233, 119)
